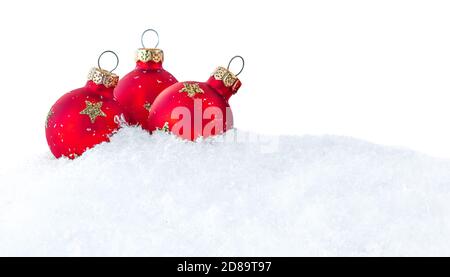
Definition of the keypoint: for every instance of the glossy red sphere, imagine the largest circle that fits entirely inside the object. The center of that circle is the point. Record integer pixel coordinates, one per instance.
(81, 119)
(137, 90)
(193, 109)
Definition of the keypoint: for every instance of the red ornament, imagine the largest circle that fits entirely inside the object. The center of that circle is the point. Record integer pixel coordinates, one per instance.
(137, 90)
(194, 109)
(84, 117)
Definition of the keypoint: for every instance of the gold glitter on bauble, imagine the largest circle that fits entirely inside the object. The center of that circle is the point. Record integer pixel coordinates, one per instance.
(147, 106)
(50, 113)
(93, 110)
(191, 89)
(165, 127)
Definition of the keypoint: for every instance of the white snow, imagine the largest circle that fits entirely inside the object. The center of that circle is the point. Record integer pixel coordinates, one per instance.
(157, 195)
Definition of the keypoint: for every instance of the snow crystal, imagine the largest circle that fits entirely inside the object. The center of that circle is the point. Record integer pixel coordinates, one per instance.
(256, 196)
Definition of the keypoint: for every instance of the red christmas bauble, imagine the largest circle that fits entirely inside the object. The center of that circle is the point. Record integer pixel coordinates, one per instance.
(83, 117)
(194, 109)
(137, 90)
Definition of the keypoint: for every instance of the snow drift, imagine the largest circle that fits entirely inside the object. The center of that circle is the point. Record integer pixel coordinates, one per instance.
(157, 195)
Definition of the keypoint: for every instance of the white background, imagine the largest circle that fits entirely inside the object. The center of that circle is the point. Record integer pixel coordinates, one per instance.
(376, 70)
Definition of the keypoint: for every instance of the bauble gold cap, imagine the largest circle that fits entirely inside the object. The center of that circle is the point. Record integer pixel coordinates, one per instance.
(150, 54)
(103, 77)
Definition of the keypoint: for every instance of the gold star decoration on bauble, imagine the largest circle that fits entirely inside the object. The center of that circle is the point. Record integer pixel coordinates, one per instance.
(147, 106)
(165, 127)
(191, 89)
(50, 113)
(93, 110)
